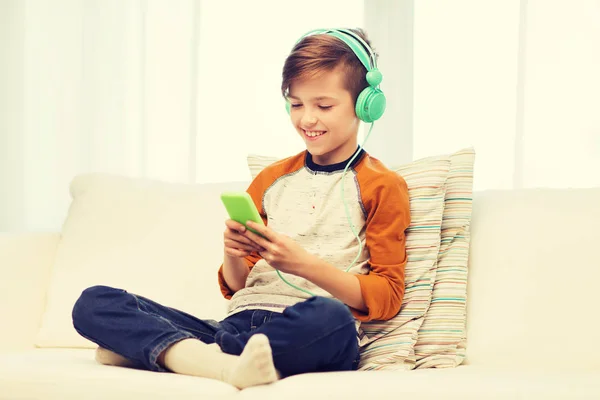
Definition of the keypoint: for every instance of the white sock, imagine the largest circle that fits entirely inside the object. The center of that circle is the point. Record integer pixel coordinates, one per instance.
(255, 364)
(253, 367)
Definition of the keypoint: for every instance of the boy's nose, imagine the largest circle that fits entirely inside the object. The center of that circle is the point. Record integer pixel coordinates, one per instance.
(308, 120)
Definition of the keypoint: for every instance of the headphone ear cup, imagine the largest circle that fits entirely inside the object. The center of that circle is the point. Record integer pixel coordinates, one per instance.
(370, 104)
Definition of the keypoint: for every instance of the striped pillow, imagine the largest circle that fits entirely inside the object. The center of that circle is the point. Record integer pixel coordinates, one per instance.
(389, 344)
(441, 340)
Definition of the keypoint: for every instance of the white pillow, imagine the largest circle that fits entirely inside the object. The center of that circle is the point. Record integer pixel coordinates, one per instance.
(162, 241)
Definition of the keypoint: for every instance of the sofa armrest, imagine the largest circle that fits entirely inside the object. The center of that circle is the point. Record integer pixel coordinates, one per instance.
(25, 265)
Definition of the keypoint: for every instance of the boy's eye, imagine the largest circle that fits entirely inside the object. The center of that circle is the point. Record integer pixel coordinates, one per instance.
(300, 105)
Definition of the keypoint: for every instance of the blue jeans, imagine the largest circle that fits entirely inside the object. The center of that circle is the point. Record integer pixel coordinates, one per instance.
(315, 335)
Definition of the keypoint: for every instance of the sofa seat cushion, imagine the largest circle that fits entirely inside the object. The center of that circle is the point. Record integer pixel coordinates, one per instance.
(465, 382)
(65, 374)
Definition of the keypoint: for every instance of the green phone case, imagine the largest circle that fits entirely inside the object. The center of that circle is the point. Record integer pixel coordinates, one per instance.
(241, 208)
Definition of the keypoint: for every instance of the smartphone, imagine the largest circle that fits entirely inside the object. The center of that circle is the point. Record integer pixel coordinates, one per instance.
(241, 208)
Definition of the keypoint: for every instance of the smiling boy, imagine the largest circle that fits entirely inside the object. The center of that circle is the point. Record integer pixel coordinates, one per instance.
(274, 329)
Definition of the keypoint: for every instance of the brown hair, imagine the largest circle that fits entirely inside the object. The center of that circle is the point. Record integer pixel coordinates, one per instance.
(316, 54)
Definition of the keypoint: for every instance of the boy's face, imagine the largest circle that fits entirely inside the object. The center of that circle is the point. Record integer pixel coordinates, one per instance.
(322, 112)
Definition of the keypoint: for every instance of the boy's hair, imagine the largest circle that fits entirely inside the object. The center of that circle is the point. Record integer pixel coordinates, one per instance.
(320, 53)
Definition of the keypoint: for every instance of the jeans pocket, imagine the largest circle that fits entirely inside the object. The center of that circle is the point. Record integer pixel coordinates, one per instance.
(259, 318)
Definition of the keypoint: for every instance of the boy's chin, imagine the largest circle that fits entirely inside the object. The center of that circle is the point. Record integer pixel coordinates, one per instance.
(316, 150)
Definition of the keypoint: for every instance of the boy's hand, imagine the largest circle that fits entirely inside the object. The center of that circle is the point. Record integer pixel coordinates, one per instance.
(279, 250)
(236, 244)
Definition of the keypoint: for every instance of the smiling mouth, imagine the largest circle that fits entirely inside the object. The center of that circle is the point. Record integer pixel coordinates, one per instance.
(313, 134)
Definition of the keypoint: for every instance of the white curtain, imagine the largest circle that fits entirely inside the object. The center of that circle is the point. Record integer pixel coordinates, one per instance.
(183, 90)
(172, 90)
(518, 80)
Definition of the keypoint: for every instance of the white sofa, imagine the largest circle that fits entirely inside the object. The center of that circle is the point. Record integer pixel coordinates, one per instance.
(532, 314)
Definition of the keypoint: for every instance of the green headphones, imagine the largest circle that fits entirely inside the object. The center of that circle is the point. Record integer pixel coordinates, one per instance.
(371, 102)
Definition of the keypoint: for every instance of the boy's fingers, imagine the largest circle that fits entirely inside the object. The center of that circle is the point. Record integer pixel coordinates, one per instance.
(237, 237)
(234, 225)
(262, 229)
(237, 245)
(264, 243)
(246, 240)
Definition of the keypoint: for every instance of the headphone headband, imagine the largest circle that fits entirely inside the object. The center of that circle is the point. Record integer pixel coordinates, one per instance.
(365, 46)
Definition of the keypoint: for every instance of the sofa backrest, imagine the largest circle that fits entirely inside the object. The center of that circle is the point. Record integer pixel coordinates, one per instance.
(156, 239)
(533, 269)
(533, 279)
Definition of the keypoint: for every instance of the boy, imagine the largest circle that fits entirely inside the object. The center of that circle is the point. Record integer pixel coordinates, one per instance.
(275, 329)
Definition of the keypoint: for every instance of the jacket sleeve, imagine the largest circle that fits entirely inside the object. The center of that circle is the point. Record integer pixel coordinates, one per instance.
(387, 207)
